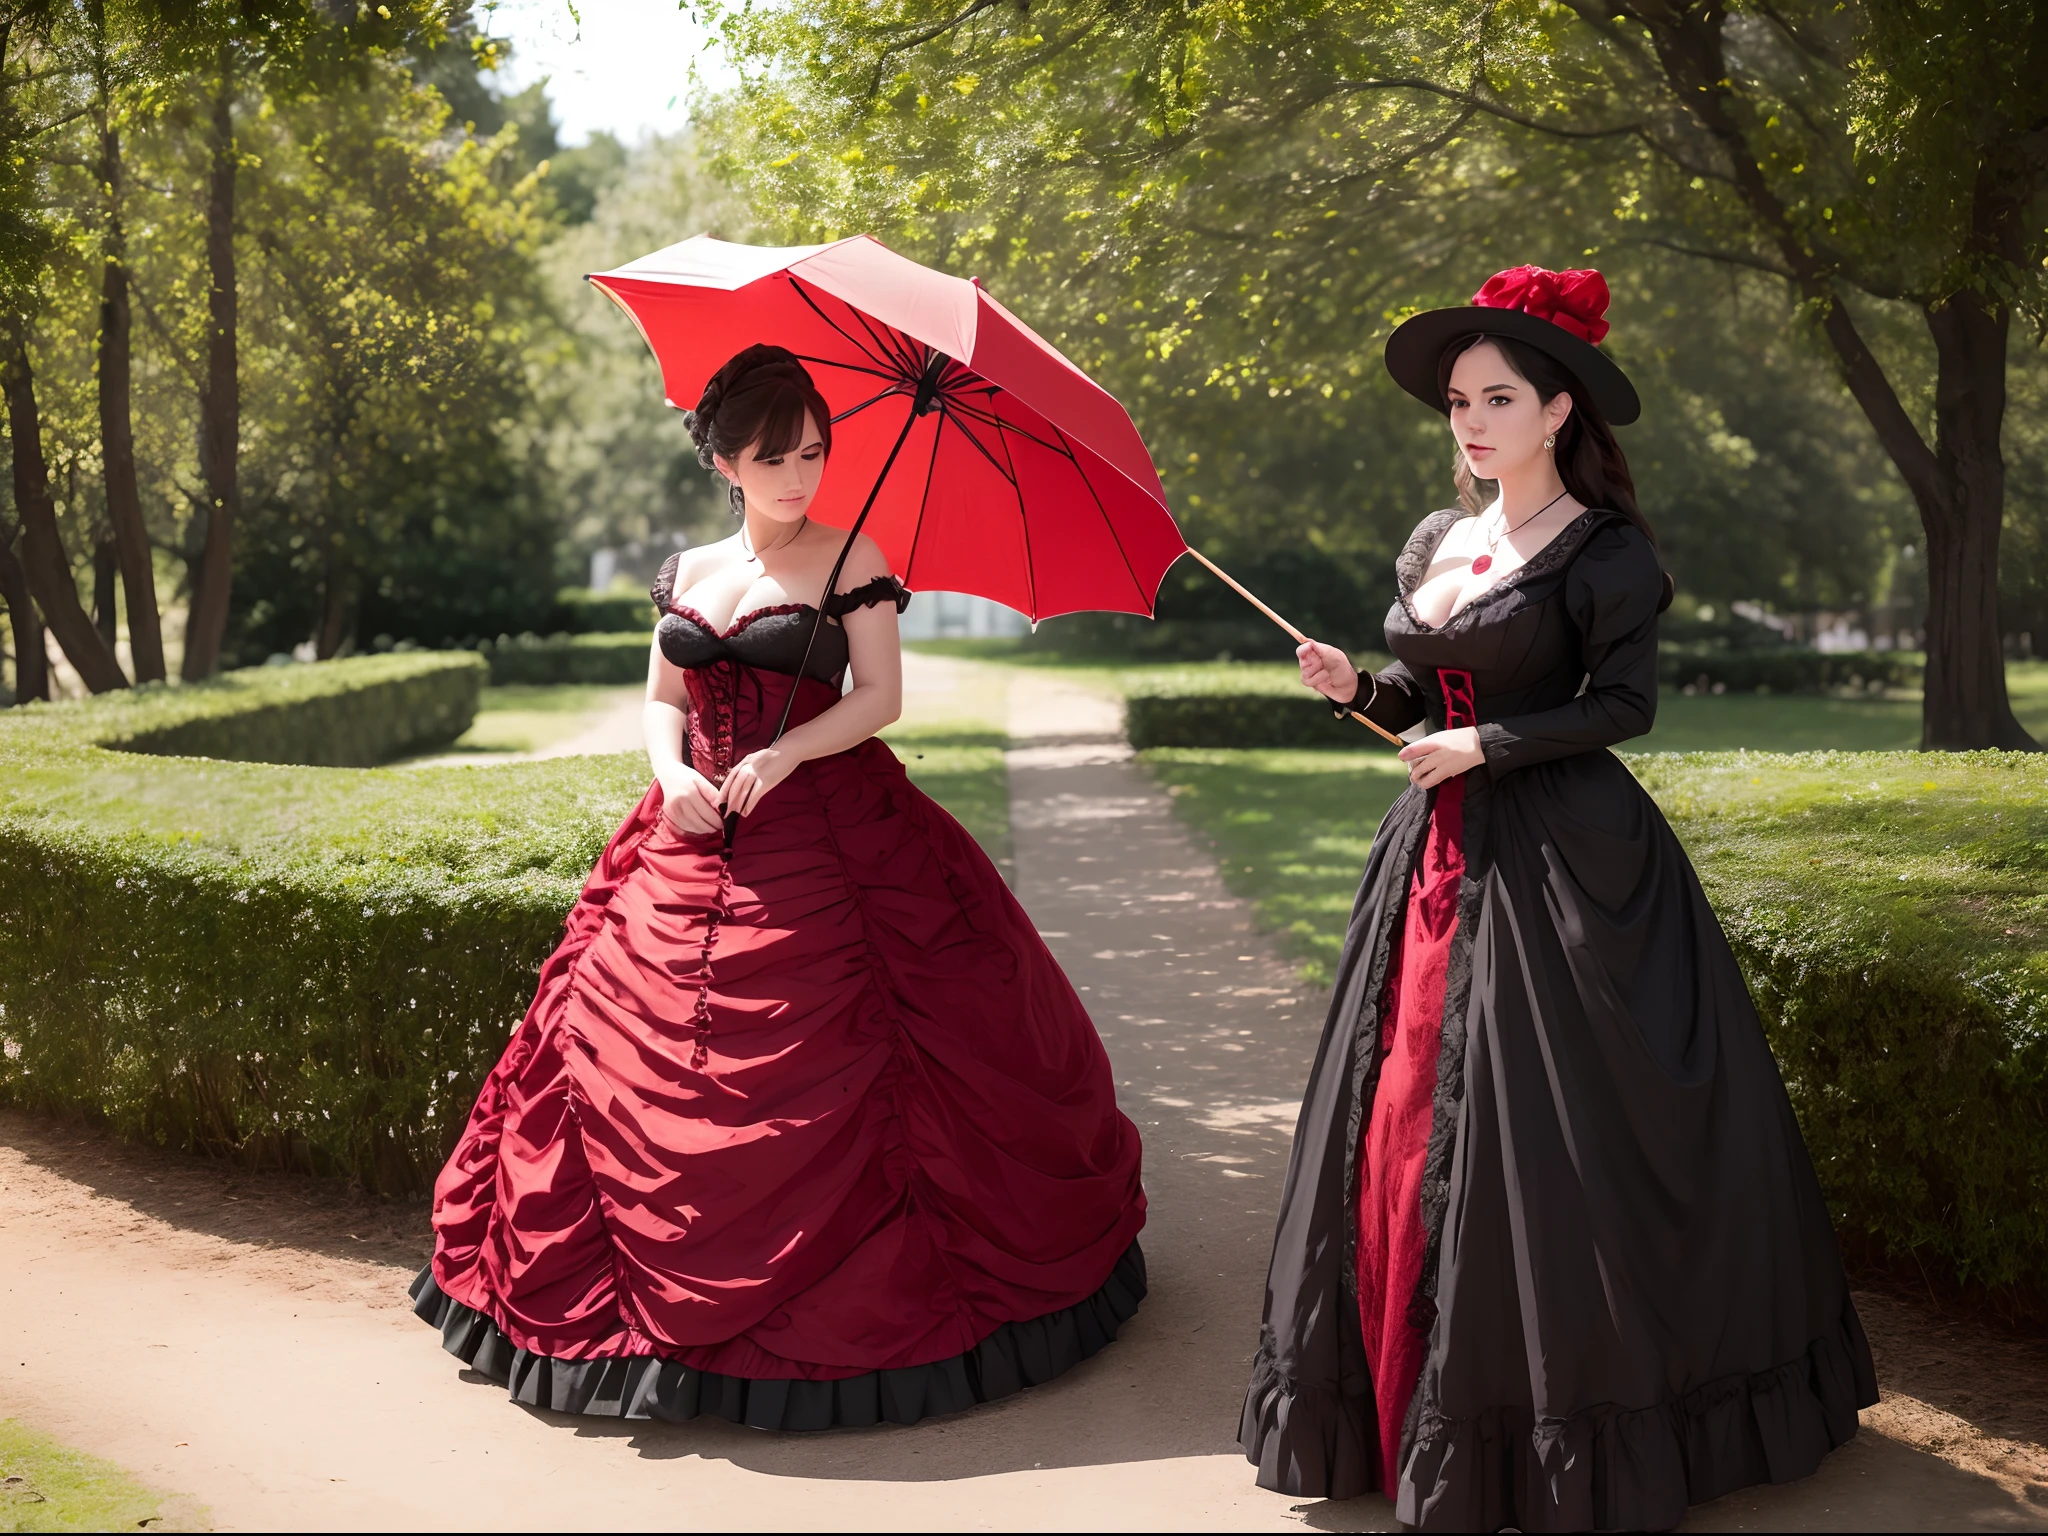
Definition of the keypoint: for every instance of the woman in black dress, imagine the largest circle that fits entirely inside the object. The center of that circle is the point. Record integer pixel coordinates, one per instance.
(1551, 1253)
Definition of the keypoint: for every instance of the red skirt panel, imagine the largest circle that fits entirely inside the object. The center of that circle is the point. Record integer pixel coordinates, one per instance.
(824, 1106)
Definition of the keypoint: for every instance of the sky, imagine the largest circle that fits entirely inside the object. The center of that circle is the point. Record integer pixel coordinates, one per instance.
(625, 69)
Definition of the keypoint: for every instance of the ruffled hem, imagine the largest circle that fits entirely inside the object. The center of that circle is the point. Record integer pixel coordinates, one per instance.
(1015, 1356)
(1309, 1441)
(1616, 1469)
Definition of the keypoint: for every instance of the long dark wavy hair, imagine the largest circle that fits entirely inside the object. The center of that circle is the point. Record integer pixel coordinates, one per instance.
(758, 399)
(1589, 460)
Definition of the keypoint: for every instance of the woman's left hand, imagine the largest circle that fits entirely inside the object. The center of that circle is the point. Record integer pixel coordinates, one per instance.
(1444, 755)
(752, 777)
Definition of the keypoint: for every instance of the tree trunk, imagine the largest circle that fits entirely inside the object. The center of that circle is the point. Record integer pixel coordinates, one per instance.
(336, 601)
(50, 581)
(117, 433)
(106, 576)
(1966, 703)
(31, 663)
(220, 400)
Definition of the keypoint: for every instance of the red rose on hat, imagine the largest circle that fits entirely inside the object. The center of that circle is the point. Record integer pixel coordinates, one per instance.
(1573, 301)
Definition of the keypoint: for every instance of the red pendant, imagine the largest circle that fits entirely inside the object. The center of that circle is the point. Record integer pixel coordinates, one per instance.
(1482, 565)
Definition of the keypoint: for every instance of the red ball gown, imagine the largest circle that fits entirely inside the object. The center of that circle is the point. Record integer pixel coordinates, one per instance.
(805, 1129)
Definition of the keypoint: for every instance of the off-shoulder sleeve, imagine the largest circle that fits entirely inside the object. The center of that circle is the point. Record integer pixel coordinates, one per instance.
(883, 589)
(1612, 594)
(664, 589)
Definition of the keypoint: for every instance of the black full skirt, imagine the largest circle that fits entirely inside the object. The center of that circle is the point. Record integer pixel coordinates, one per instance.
(1634, 1296)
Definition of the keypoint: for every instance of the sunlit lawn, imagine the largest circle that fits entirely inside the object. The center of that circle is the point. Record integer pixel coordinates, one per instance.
(532, 719)
(50, 1487)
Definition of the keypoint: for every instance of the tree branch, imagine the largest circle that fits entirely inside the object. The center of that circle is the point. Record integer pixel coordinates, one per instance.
(1481, 104)
(1726, 258)
(919, 39)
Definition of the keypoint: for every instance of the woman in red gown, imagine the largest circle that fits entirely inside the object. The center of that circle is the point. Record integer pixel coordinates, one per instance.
(805, 1127)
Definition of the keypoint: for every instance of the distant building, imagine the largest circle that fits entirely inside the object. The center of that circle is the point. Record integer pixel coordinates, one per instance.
(959, 616)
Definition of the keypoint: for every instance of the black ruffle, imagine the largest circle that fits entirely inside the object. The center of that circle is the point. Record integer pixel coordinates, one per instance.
(883, 589)
(1618, 1469)
(1015, 1356)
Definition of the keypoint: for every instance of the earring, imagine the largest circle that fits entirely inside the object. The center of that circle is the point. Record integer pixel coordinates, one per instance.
(1550, 441)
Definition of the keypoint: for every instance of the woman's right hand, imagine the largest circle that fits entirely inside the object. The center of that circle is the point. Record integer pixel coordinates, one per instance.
(1327, 670)
(690, 802)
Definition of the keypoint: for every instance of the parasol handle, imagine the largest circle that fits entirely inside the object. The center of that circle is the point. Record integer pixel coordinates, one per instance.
(1242, 591)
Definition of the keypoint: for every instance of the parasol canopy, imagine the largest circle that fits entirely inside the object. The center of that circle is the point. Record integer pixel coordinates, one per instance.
(984, 461)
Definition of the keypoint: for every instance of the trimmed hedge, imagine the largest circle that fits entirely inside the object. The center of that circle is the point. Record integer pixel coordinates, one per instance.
(600, 658)
(1888, 911)
(302, 966)
(580, 611)
(340, 714)
(1234, 720)
(1784, 669)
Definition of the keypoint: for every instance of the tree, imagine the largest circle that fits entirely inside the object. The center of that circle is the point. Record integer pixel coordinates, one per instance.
(287, 47)
(1878, 160)
(397, 287)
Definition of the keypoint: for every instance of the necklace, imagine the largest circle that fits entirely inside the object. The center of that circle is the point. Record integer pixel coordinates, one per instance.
(747, 546)
(1485, 562)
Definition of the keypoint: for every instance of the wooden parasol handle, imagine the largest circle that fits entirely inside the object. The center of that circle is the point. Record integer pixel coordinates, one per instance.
(1239, 588)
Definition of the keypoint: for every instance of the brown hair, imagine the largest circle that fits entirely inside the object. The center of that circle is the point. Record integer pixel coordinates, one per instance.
(1589, 460)
(757, 400)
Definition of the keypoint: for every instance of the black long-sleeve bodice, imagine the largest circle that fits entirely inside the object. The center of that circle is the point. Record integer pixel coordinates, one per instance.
(1562, 653)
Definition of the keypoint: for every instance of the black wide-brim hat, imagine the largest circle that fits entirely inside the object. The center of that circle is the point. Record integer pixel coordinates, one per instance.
(1561, 314)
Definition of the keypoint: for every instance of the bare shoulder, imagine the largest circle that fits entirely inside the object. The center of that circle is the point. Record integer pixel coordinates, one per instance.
(864, 562)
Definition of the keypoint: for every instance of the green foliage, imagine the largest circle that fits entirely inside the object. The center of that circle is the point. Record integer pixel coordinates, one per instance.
(580, 611)
(1885, 907)
(50, 1487)
(1221, 210)
(339, 714)
(597, 658)
(1228, 720)
(1784, 669)
(310, 967)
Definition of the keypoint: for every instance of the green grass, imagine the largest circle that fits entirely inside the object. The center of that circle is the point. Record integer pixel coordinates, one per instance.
(530, 717)
(1291, 831)
(1954, 842)
(60, 1489)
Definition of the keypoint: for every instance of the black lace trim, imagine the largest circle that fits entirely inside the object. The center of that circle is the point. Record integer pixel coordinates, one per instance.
(1014, 1356)
(883, 589)
(1414, 560)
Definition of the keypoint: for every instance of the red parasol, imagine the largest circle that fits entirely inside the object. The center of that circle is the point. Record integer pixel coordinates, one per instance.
(978, 457)
(1000, 468)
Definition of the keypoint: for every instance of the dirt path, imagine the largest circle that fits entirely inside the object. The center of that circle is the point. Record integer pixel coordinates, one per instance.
(244, 1340)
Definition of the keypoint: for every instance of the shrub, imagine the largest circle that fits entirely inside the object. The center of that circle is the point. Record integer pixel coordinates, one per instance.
(599, 658)
(580, 611)
(339, 713)
(1785, 669)
(309, 966)
(1240, 706)
(1887, 910)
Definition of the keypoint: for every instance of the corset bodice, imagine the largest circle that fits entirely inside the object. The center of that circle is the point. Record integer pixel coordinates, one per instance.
(739, 677)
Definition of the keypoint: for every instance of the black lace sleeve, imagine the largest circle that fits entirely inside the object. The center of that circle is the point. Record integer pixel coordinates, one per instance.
(664, 589)
(883, 589)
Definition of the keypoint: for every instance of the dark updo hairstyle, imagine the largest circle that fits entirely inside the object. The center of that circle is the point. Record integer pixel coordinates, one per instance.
(1589, 460)
(757, 400)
